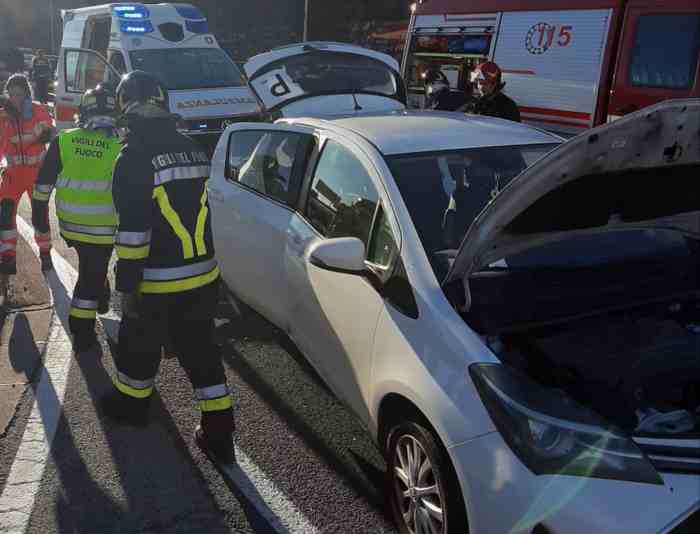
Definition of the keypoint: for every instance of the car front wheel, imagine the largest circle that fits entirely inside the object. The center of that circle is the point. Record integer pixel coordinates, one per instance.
(422, 487)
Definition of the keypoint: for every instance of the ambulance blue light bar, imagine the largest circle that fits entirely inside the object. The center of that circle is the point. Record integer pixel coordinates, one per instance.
(137, 26)
(130, 11)
(197, 26)
(187, 11)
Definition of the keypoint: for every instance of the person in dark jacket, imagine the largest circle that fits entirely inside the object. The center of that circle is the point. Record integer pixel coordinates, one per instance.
(41, 75)
(166, 270)
(438, 94)
(489, 98)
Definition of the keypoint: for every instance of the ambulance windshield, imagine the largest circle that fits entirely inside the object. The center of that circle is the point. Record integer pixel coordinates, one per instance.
(189, 68)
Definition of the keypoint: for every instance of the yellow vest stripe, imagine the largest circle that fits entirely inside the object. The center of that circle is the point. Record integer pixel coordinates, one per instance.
(161, 196)
(87, 238)
(201, 222)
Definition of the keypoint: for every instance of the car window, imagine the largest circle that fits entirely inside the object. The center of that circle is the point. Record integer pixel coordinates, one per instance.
(343, 199)
(84, 70)
(665, 52)
(117, 61)
(382, 245)
(265, 161)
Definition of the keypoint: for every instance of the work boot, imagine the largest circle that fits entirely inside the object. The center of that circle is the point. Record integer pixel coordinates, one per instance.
(125, 410)
(46, 262)
(84, 342)
(8, 266)
(215, 436)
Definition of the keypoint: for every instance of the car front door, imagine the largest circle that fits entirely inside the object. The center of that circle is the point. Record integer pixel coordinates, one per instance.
(79, 70)
(333, 314)
(252, 207)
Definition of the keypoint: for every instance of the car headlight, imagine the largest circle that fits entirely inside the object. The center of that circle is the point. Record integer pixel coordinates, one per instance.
(554, 435)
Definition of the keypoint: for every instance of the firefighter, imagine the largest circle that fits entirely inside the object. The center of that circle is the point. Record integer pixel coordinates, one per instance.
(166, 268)
(79, 165)
(41, 75)
(25, 129)
(438, 95)
(489, 98)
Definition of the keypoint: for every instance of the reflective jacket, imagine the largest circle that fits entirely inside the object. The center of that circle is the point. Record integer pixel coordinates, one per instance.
(164, 240)
(22, 141)
(79, 165)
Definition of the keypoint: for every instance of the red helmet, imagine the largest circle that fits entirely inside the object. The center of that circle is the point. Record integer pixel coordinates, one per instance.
(487, 70)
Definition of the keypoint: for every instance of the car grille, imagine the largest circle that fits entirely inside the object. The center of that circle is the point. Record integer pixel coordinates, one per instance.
(672, 455)
(690, 526)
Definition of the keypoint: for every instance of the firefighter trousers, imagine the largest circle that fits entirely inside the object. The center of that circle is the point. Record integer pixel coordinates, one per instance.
(14, 183)
(186, 318)
(91, 290)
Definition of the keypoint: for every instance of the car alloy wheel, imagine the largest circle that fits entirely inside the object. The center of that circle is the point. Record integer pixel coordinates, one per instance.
(418, 495)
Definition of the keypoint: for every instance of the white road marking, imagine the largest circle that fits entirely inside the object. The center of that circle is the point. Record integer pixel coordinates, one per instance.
(24, 480)
(23, 483)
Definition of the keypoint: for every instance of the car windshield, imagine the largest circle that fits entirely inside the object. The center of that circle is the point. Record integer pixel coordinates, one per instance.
(189, 68)
(445, 191)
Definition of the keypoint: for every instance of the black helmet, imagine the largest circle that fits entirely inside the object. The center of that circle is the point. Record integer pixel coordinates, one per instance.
(97, 102)
(137, 87)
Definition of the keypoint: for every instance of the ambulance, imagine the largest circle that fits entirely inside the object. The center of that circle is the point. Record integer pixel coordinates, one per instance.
(171, 41)
(569, 64)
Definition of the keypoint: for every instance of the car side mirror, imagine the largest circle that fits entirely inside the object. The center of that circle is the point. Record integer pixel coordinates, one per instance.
(341, 254)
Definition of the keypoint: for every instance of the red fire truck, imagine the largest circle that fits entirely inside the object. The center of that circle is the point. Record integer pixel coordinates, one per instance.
(569, 64)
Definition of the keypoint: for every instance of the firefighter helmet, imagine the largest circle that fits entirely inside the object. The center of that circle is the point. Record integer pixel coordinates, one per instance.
(138, 87)
(487, 71)
(97, 102)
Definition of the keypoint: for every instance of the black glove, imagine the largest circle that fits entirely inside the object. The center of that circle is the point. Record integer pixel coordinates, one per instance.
(47, 136)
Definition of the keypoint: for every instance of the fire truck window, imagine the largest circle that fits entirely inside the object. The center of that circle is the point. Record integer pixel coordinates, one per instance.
(665, 52)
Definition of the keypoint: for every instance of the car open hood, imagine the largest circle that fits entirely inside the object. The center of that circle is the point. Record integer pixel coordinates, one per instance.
(295, 80)
(641, 171)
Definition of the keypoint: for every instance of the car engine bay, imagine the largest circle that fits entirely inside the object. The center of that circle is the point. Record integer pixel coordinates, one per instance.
(640, 369)
(622, 339)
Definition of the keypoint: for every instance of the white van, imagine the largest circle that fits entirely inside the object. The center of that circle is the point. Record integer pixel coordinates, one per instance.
(172, 41)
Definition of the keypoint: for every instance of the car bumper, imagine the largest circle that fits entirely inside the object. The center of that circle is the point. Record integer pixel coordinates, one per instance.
(503, 496)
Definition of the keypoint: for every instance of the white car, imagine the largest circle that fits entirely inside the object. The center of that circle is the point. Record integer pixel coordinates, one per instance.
(523, 349)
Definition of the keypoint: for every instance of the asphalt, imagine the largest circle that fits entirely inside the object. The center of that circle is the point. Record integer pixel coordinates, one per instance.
(303, 454)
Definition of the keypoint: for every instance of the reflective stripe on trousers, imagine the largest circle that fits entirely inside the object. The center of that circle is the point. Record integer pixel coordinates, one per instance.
(214, 398)
(138, 389)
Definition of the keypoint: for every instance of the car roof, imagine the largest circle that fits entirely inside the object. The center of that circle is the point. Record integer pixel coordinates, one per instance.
(406, 132)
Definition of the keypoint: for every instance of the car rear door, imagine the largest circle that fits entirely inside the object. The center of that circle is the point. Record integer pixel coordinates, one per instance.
(253, 195)
(658, 56)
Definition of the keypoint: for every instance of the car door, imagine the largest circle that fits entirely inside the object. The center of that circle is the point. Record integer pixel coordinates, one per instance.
(79, 70)
(659, 56)
(333, 314)
(252, 206)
